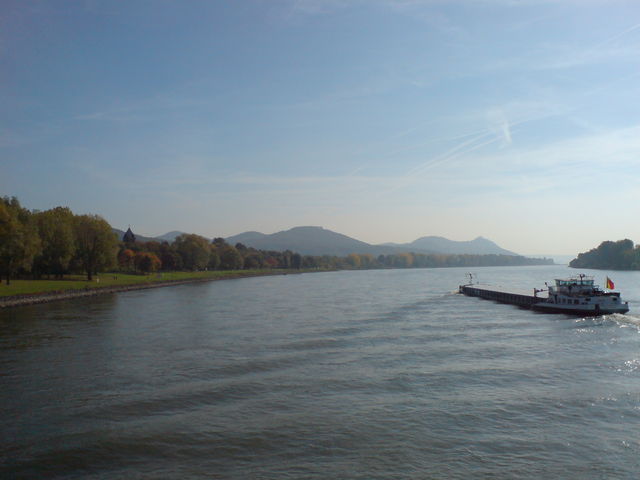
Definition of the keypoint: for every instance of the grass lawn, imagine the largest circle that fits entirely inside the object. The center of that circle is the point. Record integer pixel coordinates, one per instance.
(103, 280)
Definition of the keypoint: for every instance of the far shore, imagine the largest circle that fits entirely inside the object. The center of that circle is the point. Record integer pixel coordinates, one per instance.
(53, 295)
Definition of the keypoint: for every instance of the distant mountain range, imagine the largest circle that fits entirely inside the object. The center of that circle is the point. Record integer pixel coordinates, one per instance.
(169, 236)
(308, 241)
(432, 244)
(320, 241)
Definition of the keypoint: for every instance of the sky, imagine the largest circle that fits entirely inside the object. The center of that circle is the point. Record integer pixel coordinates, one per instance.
(384, 120)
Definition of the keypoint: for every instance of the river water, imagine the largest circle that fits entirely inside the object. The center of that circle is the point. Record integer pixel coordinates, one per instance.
(353, 375)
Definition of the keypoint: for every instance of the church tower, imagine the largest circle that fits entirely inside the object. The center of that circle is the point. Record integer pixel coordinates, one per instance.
(128, 236)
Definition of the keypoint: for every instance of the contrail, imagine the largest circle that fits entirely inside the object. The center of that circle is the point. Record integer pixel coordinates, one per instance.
(615, 37)
(455, 152)
(486, 137)
(481, 139)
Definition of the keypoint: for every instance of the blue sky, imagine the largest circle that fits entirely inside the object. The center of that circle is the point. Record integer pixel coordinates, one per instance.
(383, 120)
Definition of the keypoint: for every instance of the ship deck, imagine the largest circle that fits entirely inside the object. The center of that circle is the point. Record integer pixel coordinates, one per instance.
(500, 294)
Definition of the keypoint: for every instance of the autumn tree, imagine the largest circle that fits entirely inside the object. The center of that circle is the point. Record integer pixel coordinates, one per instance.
(96, 243)
(271, 262)
(147, 262)
(367, 260)
(353, 259)
(126, 259)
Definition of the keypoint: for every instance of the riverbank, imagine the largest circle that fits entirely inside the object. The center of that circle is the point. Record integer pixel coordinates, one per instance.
(43, 291)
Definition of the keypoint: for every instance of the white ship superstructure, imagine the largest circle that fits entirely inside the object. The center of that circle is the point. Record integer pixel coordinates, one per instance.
(580, 294)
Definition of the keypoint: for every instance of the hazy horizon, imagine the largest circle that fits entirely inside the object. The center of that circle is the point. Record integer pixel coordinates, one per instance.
(383, 120)
(562, 257)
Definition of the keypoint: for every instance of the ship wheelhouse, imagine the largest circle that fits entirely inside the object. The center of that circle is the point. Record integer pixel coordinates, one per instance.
(575, 286)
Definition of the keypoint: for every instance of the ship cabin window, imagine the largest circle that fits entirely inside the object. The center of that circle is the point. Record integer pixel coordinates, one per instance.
(575, 302)
(615, 299)
(575, 282)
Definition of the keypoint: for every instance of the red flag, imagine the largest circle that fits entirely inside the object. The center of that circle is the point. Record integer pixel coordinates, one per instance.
(609, 284)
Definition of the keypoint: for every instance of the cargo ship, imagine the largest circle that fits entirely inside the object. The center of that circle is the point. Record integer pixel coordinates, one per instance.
(576, 295)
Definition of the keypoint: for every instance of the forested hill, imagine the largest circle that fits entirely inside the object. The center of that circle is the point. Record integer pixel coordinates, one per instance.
(620, 255)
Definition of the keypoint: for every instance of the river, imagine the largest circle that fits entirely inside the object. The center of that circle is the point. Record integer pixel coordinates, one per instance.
(354, 375)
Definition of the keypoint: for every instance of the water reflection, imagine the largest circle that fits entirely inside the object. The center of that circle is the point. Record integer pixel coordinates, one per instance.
(35, 325)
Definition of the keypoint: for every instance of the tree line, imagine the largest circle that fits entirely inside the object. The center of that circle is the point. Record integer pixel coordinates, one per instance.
(440, 260)
(53, 242)
(57, 242)
(609, 255)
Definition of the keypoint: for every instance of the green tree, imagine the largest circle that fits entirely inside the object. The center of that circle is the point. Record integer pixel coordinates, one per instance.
(618, 255)
(169, 257)
(214, 259)
(309, 261)
(219, 242)
(230, 258)
(152, 246)
(55, 228)
(296, 261)
(96, 244)
(19, 241)
(194, 251)
(253, 260)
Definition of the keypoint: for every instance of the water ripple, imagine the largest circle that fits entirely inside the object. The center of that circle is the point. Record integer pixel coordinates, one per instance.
(371, 375)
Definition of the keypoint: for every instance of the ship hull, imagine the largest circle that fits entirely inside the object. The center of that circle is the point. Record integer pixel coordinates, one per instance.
(581, 310)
